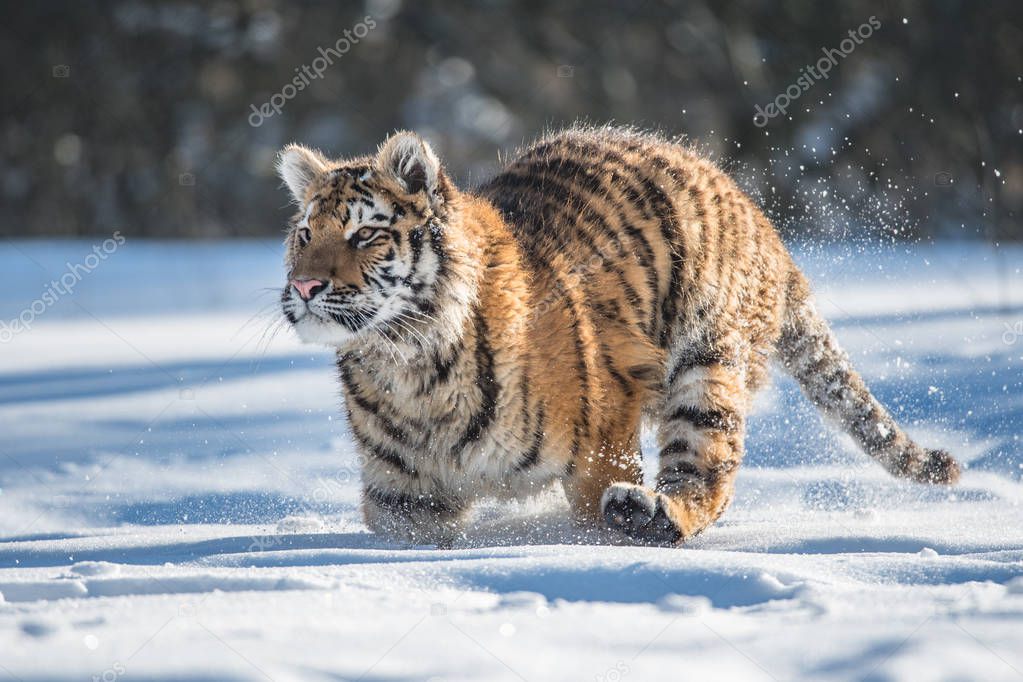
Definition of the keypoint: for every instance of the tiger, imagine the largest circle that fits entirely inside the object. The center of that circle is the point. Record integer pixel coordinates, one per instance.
(495, 341)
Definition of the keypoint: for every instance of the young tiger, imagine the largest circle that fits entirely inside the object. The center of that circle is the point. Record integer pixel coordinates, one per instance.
(493, 341)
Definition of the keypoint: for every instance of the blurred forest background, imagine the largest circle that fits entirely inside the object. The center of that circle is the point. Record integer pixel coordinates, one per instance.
(148, 117)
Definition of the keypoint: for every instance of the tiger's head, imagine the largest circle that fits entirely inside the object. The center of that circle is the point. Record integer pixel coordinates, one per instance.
(375, 253)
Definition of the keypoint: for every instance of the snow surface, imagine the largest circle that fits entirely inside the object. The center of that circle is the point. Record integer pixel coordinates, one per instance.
(179, 496)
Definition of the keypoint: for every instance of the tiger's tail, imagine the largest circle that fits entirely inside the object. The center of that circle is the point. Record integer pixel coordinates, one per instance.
(810, 352)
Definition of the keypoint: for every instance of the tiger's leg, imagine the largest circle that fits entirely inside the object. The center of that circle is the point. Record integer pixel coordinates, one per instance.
(428, 519)
(615, 457)
(618, 459)
(701, 439)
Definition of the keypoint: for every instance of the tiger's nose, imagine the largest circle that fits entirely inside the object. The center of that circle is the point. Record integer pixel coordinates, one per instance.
(308, 288)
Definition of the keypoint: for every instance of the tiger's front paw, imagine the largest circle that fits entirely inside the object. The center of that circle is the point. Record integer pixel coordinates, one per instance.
(641, 514)
(414, 519)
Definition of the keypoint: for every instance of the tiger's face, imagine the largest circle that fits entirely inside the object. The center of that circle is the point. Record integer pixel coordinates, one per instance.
(365, 254)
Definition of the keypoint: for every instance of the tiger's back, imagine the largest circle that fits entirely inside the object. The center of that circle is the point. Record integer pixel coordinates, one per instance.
(658, 239)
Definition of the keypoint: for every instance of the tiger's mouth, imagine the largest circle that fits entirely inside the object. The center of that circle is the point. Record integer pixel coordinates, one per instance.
(324, 316)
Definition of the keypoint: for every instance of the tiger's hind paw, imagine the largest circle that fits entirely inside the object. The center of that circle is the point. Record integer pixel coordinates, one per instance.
(935, 467)
(641, 514)
(939, 467)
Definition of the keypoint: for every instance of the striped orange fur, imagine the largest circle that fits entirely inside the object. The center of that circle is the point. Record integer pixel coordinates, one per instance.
(494, 341)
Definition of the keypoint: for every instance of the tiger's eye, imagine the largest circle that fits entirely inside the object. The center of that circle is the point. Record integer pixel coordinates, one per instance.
(365, 233)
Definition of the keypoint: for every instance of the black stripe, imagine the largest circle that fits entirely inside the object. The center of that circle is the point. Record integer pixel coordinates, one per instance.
(526, 416)
(488, 386)
(584, 377)
(442, 367)
(669, 305)
(532, 456)
(537, 262)
(408, 505)
(383, 453)
(437, 246)
(285, 297)
(704, 357)
(624, 383)
(394, 459)
(675, 447)
(719, 420)
(375, 410)
(425, 305)
(678, 472)
(360, 190)
(415, 240)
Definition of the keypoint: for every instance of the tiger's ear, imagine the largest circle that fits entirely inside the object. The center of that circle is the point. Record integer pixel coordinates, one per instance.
(408, 160)
(298, 166)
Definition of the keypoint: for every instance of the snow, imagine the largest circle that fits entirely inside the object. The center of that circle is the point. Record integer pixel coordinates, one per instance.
(178, 500)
